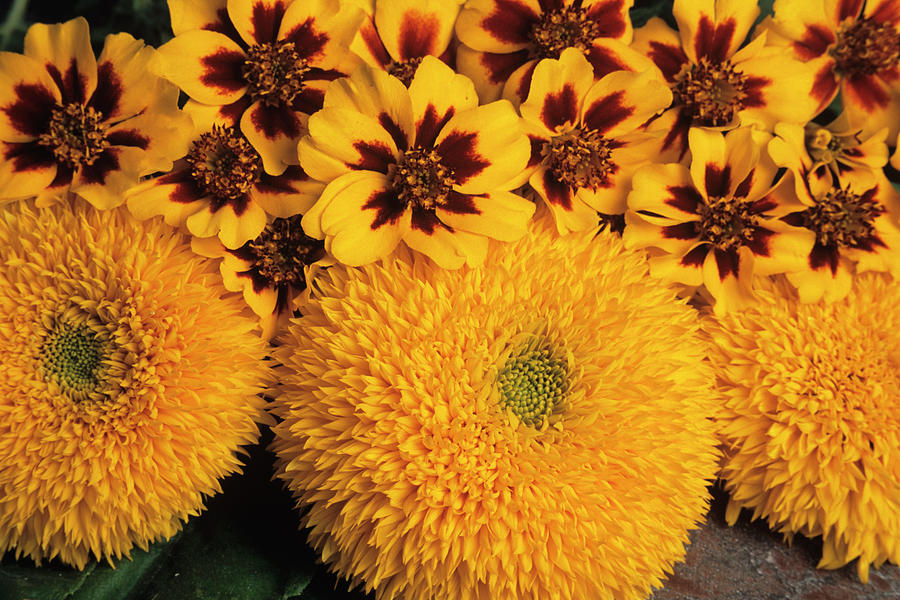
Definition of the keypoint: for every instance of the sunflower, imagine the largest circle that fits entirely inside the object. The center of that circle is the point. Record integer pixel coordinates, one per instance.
(811, 419)
(128, 382)
(498, 432)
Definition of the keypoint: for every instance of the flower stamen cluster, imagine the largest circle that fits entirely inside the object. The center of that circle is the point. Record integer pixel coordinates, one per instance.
(282, 250)
(75, 134)
(404, 70)
(579, 158)
(73, 356)
(224, 163)
(421, 180)
(563, 28)
(727, 223)
(865, 46)
(274, 72)
(842, 218)
(712, 93)
(533, 384)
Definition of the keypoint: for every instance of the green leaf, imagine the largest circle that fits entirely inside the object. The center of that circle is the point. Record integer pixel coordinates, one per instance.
(21, 581)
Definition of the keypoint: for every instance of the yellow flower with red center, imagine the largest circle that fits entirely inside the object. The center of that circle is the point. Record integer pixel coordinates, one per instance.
(74, 122)
(715, 81)
(716, 223)
(854, 48)
(424, 165)
(811, 417)
(129, 382)
(585, 145)
(260, 65)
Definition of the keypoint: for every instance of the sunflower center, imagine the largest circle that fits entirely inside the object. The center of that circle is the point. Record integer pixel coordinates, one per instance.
(865, 46)
(73, 357)
(421, 179)
(282, 250)
(842, 218)
(533, 383)
(224, 163)
(563, 28)
(710, 93)
(727, 223)
(75, 134)
(274, 72)
(579, 158)
(404, 70)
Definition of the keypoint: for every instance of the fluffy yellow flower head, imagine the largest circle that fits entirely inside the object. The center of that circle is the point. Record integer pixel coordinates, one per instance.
(812, 417)
(128, 383)
(533, 428)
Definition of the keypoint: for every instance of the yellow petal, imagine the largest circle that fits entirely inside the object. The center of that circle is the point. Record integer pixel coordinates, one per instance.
(556, 92)
(437, 93)
(502, 216)
(65, 50)
(124, 87)
(256, 20)
(321, 30)
(623, 101)
(205, 64)
(415, 28)
(233, 230)
(27, 97)
(274, 132)
(197, 14)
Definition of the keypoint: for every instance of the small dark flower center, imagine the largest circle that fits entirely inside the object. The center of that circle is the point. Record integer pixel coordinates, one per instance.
(727, 223)
(420, 179)
(73, 358)
(843, 218)
(224, 163)
(865, 46)
(274, 72)
(579, 158)
(711, 93)
(563, 28)
(404, 70)
(281, 252)
(75, 134)
(533, 383)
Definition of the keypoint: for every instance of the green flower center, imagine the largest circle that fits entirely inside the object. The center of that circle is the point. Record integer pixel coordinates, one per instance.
(865, 46)
(711, 93)
(75, 135)
(282, 250)
(224, 164)
(73, 357)
(563, 28)
(274, 72)
(727, 223)
(421, 179)
(579, 158)
(843, 218)
(533, 383)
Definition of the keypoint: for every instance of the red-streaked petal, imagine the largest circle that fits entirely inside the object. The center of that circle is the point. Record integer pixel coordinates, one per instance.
(291, 193)
(623, 101)
(205, 64)
(447, 247)
(415, 28)
(870, 104)
(778, 88)
(123, 87)
(607, 55)
(27, 98)
(274, 132)
(727, 275)
(437, 93)
(612, 18)
(883, 11)
(830, 280)
(713, 29)
(235, 224)
(686, 269)
(65, 51)
(844, 9)
(569, 213)
(25, 169)
(489, 71)
(257, 21)
(516, 87)
(497, 25)
(200, 14)
(661, 44)
(557, 87)
(341, 140)
(665, 190)
(105, 182)
(815, 41)
(502, 216)
(780, 248)
(205, 116)
(321, 30)
(175, 196)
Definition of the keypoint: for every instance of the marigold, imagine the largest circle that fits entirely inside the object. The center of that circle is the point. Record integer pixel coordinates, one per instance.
(498, 432)
(128, 382)
(811, 420)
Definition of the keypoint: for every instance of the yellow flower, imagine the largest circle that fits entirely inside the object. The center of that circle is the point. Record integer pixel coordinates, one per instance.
(73, 122)
(811, 420)
(424, 165)
(128, 383)
(533, 428)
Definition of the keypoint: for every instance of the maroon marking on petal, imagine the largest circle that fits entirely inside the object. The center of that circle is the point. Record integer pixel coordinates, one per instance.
(825, 84)
(426, 221)
(373, 156)
(501, 66)
(316, 73)
(128, 137)
(510, 22)
(558, 192)
(712, 40)
(387, 205)
(869, 243)
(605, 61)
(71, 84)
(223, 25)
(718, 180)
(560, 107)
(763, 205)
(64, 175)
(683, 231)
(824, 256)
(308, 101)
(869, 91)
(282, 184)
(753, 88)
(677, 136)
(275, 121)
(796, 219)
(239, 205)
(887, 12)
(308, 42)
(430, 125)
(759, 241)
(29, 156)
(233, 112)
(186, 189)
(696, 256)
(418, 35)
(610, 17)
(103, 165)
(743, 187)
(457, 152)
(728, 263)
(537, 147)
(683, 197)
(548, 5)
(283, 299)
(265, 21)
(394, 129)
(607, 112)
(222, 70)
(525, 82)
(848, 9)
(815, 42)
(669, 58)
(30, 112)
(460, 204)
(373, 42)
(106, 97)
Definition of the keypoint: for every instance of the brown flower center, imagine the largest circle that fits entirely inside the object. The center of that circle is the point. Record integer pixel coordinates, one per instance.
(842, 218)
(421, 180)
(865, 46)
(282, 250)
(224, 163)
(75, 134)
(727, 223)
(710, 93)
(274, 72)
(579, 158)
(563, 28)
(404, 70)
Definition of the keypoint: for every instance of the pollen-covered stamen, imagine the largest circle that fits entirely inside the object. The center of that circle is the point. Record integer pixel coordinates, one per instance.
(75, 134)
(842, 218)
(579, 158)
(274, 72)
(72, 356)
(404, 70)
(281, 252)
(563, 28)
(727, 223)
(420, 179)
(533, 383)
(865, 46)
(224, 163)
(712, 93)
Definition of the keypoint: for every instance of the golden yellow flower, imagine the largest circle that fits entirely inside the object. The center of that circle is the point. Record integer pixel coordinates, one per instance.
(128, 382)
(533, 428)
(811, 419)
